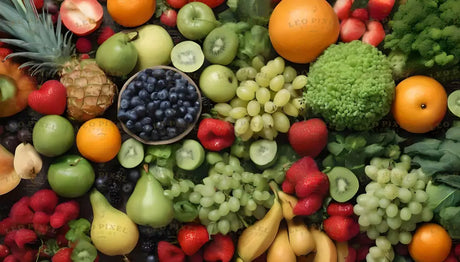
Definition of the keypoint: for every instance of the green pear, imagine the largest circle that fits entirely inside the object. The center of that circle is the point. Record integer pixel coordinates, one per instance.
(147, 205)
(117, 56)
(112, 231)
(154, 45)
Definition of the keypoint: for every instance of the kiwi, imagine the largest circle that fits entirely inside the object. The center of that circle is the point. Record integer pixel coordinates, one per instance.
(131, 153)
(343, 184)
(187, 56)
(190, 155)
(263, 152)
(220, 46)
(453, 103)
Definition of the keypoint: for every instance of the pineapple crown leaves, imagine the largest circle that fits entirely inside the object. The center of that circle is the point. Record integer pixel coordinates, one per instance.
(46, 47)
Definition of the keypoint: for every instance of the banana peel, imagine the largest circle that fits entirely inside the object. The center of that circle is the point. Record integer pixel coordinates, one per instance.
(300, 237)
(27, 161)
(288, 203)
(280, 249)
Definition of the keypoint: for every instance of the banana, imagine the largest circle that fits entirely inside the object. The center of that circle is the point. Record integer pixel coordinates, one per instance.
(256, 238)
(288, 203)
(280, 249)
(300, 237)
(27, 162)
(342, 251)
(325, 247)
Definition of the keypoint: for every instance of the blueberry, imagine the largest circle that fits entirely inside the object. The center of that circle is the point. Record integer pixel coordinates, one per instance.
(151, 258)
(140, 111)
(131, 87)
(154, 134)
(160, 125)
(180, 82)
(165, 104)
(177, 75)
(137, 127)
(180, 102)
(134, 174)
(143, 94)
(147, 129)
(101, 183)
(186, 104)
(142, 76)
(157, 103)
(151, 80)
(197, 104)
(170, 73)
(150, 88)
(158, 73)
(144, 135)
(138, 85)
(169, 112)
(135, 101)
(161, 83)
(192, 111)
(130, 124)
(162, 132)
(128, 93)
(181, 111)
(189, 118)
(192, 96)
(171, 131)
(148, 71)
(180, 123)
(159, 114)
(181, 96)
(124, 103)
(163, 94)
(146, 120)
(150, 107)
(132, 115)
(191, 89)
(122, 115)
(154, 95)
(173, 97)
(127, 187)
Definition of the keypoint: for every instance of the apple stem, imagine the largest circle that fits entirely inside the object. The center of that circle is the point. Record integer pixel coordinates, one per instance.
(133, 35)
(76, 161)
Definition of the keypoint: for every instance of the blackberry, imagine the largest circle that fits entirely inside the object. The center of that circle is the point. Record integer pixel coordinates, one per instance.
(149, 232)
(148, 246)
(127, 187)
(207, 104)
(114, 198)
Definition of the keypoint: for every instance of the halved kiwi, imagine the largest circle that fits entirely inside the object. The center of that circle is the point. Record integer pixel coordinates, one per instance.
(190, 155)
(220, 46)
(453, 103)
(343, 184)
(263, 152)
(131, 153)
(187, 56)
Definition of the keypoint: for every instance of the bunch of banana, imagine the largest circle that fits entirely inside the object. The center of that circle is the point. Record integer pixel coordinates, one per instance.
(288, 241)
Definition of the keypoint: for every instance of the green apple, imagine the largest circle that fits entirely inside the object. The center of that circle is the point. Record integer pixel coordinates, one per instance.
(195, 20)
(153, 45)
(71, 176)
(53, 135)
(117, 56)
(218, 83)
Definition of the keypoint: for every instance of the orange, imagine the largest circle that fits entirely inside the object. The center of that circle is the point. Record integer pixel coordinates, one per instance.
(420, 104)
(131, 13)
(430, 243)
(98, 140)
(300, 30)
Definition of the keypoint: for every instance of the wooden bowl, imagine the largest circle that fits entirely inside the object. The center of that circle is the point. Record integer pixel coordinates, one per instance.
(179, 136)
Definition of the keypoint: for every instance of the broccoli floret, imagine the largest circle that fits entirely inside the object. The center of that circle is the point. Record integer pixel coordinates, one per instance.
(351, 86)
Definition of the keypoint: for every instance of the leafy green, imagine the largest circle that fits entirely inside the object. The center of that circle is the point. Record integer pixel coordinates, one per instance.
(84, 251)
(184, 211)
(449, 180)
(79, 230)
(449, 220)
(441, 196)
(250, 11)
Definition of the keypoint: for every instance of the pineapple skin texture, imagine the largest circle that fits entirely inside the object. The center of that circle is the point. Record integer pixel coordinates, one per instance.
(89, 91)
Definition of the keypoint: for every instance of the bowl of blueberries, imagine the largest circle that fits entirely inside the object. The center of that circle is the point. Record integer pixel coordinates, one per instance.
(159, 105)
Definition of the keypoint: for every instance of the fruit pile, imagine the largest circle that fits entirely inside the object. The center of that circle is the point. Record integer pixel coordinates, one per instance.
(238, 130)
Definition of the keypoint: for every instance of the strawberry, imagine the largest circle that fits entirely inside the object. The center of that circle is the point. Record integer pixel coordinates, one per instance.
(168, 252)
(63, 255)
(308, 137)
(380, 9)
(451, 257)
(341, 228)
(20, 211)
(39, 4)
(64, 212)
(288, 187)
(351, 255)
(351, 29)
(4, 51)
(342, 8)
(50, 99)
(44, 200)
(220, 248)
(457, 250)
(300, 168)
(191, 237)
(178, 4)
(374, 34)
(361, 14)
(215, 134)
(340, 209)
(24, 236)
(308, 205)
(10, 258)
(313, 183)
(197, 257)
(4, 251)
(105, 34)
(83, 45)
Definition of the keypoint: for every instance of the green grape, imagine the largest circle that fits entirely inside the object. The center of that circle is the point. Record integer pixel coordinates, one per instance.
(362, 200)
(289, 74)
(270, 107)
(415, 207)
(265, 196)
(257, 123)
(263, 79)
(268, 120)
(410, 225)
(372, 233)
(233, 204)
(394, 222)
(241, 74)
(211, 227)
(391, 191)
(299, 82)
(260, 212)
(238, 102)
(299, 103)
(269, 202)
(234, 162)
(223, 226)
(224, 183)
(262, 95)
(244, 199)
(290, 110)
(175, 190)
(427, 214)
(241, 125)
(268, 70)
(247, 177)
(281, 122)
(371, 171)
(168, 194)
(208, 190)
(257, 195)
(277, 83)
(409, 180)
(214, 215)
(268, 133)
(184, 186)
(375, 252)
(251, 85)
(235, 225)
(383, 176)
(245, 93)
(219, 197)
(359, 210)
(194, 197)
(363, 220)
(383, 243)
(260, 182)
(374, 218)
(228, 170)
(253, 108)
(420, 184)
(382, 227)
(373, 202)
(258, 62)
(229, 119)
(251, 205)
(203, 214)
(379, 193)
(278, 64)
(393, 236)
(384, 202)
(223, 109)
(220, 167)
(420, 196)
(392, 210)
(238, 112)
(372, 187)
(206, 201)
(282, 97)
(405, 214)
(237, 192)
(224, 209)
(293, 92)
(404, 195)
(405, 237)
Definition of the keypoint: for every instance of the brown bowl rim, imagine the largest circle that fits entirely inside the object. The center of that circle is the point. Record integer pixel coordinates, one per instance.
(171, 140)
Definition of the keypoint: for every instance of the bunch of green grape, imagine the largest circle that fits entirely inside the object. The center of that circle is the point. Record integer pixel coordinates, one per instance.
(394, 202)
(230, 196)
(267, 95)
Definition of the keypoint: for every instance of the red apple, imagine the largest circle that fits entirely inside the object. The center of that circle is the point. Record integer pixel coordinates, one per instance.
(82, 17)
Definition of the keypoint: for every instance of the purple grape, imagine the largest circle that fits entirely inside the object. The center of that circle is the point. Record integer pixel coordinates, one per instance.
(12, 126)
(10, 142)
(24, 135)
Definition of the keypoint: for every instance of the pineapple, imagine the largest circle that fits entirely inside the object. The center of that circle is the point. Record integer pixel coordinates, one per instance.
(89, 91)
